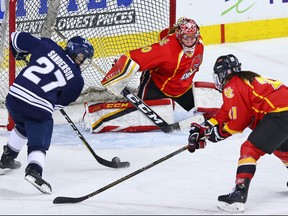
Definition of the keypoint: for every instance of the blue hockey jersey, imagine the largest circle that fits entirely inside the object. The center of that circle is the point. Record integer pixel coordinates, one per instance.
(50, 81)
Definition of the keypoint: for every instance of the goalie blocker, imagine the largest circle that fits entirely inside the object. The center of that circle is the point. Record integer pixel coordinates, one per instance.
(119, 75)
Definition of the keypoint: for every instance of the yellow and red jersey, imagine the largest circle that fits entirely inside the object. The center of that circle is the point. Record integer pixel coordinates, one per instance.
(245, 103)
(171, 69)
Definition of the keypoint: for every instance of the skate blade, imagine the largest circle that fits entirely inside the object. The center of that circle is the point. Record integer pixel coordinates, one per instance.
(44, 188)
(236, 207)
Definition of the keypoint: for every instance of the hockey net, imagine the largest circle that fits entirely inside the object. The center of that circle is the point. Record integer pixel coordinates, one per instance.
(112, 26)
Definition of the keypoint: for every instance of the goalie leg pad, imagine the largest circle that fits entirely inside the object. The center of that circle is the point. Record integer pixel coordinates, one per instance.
(119, 75)
(124, 117)
(206, 98)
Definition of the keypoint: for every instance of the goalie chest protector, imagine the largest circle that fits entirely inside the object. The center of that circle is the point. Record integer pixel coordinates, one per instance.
(124, 117)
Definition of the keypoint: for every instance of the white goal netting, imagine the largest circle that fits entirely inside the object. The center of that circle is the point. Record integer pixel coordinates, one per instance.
(112, 26)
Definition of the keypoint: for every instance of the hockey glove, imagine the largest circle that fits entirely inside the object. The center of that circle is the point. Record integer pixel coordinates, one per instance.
(215, 133)
(18, 55)
(196, 139)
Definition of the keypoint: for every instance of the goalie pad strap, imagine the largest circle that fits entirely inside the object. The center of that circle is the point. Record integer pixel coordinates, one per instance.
(118, 105)
(120, 74)
(204, 84)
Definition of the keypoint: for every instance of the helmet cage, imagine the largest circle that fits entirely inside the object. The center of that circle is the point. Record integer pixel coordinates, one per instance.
(219, 77)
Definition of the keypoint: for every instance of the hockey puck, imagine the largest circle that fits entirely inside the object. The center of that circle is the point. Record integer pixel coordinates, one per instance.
(116, 160)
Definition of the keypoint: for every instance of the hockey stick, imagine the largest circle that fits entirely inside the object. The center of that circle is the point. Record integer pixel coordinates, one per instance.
(146, 110)
(115, 163)
(61, 199)
(157, 119)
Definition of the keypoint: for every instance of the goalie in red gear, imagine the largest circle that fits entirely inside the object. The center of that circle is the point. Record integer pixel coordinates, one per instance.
(168, 67)
(249, 100)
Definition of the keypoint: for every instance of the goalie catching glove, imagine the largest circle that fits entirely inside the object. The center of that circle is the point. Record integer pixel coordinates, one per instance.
(196, 139)
(120, 74)
(214, 131)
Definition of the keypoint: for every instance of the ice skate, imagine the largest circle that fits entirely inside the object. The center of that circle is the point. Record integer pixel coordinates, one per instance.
(234, 202)
(35, 178)
(8, 161)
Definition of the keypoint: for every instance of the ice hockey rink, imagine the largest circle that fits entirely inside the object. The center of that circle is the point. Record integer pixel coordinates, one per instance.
(186, 184)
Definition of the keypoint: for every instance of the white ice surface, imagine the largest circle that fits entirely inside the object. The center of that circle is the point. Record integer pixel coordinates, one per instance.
(186, 184)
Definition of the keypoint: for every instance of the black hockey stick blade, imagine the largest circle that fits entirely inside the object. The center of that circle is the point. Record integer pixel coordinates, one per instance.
(119, 164)
(62, 200)
(114, 163)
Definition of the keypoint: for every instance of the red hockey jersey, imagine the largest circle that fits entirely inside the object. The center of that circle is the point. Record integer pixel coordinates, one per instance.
(171, 69)
(245, 103)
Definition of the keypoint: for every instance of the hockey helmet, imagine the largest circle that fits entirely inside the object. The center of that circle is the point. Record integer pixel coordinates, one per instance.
(187, 32)
(225, 65)
(80, 50)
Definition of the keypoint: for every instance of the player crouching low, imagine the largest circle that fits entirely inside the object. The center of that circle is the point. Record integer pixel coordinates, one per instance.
(249, 100)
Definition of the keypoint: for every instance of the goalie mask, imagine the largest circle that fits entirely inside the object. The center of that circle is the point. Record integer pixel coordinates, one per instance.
(187, 32)
(80, 50)
(224, 66)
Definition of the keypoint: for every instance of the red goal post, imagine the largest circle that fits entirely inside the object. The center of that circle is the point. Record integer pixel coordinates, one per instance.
(112, 26)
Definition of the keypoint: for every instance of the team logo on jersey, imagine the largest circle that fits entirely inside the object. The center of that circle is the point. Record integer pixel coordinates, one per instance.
(228, 92)
(195, 64)
(188, 74)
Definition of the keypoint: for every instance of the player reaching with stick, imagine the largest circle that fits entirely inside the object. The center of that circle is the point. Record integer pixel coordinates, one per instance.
(51, 80)
(249, 100)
